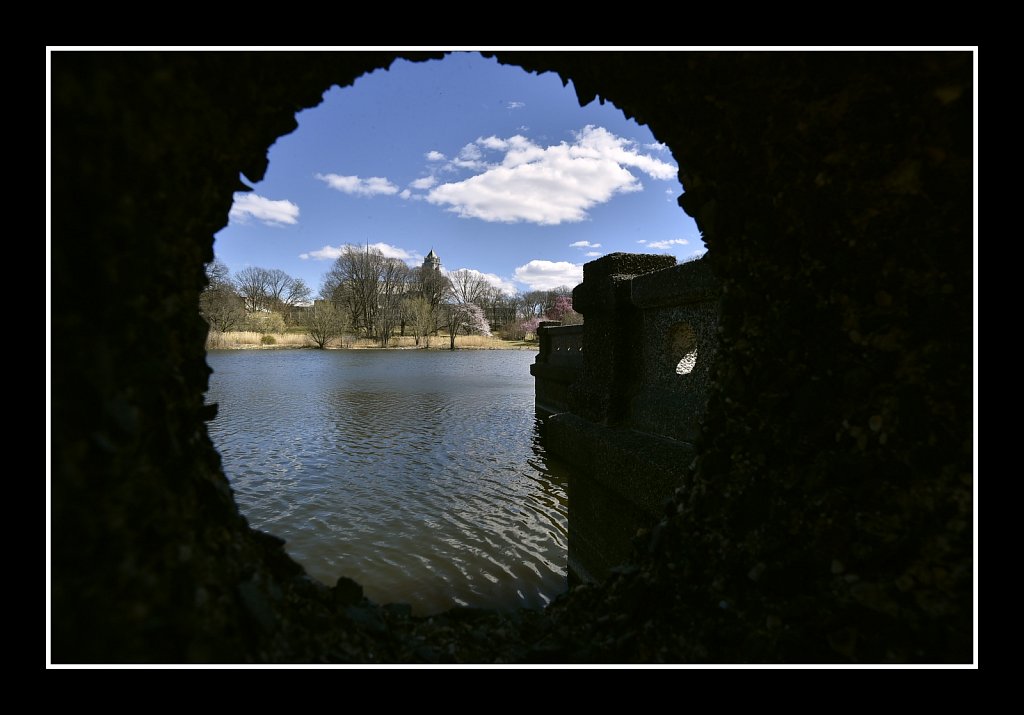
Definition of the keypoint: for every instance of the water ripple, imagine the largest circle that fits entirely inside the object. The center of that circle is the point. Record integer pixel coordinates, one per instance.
(419, 474)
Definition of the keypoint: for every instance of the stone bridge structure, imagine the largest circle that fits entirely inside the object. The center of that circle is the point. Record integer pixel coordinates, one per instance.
(624, 397)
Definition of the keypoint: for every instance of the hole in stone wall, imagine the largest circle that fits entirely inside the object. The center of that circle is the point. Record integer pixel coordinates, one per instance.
(685, 366)
(419, 472)
(683, 343)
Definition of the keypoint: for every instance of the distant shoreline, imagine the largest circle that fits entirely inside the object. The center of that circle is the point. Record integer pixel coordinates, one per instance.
(243, 340)
(374, 347)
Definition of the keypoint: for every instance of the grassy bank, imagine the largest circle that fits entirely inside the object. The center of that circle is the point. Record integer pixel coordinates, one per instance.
(247, 340)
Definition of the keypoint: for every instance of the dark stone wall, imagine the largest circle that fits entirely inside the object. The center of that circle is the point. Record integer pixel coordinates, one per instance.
(679, 310)
(557, 365)
(829, 514)
(628, 418)
(611, 334)
(151, 560)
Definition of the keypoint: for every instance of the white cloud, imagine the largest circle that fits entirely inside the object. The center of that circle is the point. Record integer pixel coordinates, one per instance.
(642, 240)
(593, 254)
(253, 206)
(494, 279)
(515, 105)
(492, 142)
(667, 245)
(327, 253)
(545, 275)
(546, 185)
(435, 156)
(390, 251)
(656, 146)
(405, 194)
(584, 244)
(469, 157)
(425, 183)
(359, 187)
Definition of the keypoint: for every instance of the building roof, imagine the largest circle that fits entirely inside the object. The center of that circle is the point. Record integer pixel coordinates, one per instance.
(431, 254)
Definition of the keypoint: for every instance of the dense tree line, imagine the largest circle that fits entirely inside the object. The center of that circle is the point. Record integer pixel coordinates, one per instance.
(220, 303)
(270, 290)
(264, 300)
(368, 294)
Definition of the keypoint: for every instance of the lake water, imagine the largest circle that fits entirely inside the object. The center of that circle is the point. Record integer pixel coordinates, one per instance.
(420, 474)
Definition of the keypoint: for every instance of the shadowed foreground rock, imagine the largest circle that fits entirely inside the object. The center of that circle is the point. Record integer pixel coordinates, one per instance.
(828, 513)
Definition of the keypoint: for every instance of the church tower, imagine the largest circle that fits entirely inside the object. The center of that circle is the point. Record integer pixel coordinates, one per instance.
(432, 261)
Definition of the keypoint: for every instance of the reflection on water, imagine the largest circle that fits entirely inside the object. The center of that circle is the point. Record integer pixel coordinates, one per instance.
(419, 474)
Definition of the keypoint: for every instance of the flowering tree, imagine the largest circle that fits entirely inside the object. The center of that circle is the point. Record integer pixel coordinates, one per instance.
(475, 320)
(563, 305)
(530, 325)
(467, 317)
(563, 312)
(559, 310)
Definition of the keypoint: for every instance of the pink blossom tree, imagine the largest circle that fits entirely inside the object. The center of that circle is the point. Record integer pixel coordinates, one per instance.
(476, 322)
(563, 312)
(530, 325)
(467, 317)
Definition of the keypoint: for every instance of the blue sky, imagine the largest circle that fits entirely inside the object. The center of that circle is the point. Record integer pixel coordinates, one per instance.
(497, 170)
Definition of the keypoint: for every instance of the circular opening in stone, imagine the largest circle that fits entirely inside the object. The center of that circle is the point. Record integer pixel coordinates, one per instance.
(417, 473)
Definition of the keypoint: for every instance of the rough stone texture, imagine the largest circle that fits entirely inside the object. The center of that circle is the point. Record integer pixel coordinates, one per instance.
(679, 317)
(691, 282)
(557, 365)
(624, 468)
(829, 515)
(600, 393)
(150, 558)
(619, 482)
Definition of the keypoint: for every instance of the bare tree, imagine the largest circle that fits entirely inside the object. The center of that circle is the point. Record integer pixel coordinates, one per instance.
(324, 322)
(423, 318)
(392, 286)
(217, 274)
(277, 285)
(533, 303)
(469, 286)
(499, 307)
(296, 295)
(253, 284)
(298, 292)
(453, 315)
(353, 284)
(431, 285)
(219, 304)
